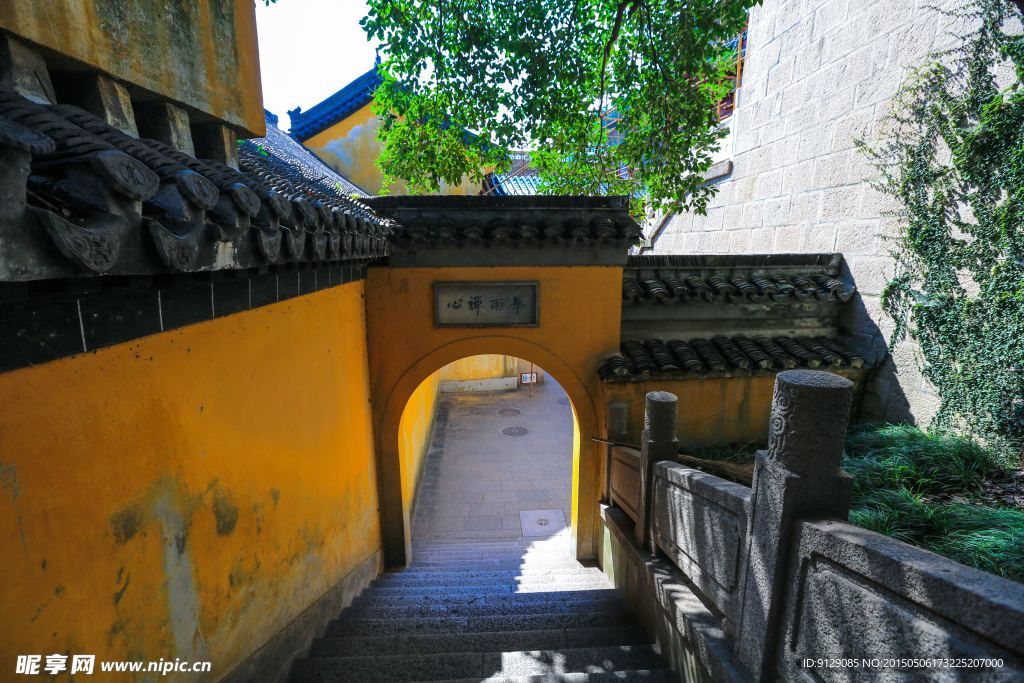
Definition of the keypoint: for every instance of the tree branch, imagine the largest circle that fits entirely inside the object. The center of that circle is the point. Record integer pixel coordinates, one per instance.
(620, 14)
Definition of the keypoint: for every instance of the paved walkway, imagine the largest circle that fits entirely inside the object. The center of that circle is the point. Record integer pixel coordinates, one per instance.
(477, 481)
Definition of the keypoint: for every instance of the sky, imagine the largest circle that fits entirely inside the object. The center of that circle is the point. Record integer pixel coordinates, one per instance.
(309, 49)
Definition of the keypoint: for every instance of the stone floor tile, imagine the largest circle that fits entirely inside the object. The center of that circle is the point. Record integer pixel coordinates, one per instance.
(477, 480)
(481, 523)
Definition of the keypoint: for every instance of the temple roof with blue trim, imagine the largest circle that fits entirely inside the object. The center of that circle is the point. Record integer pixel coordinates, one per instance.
(337, 107)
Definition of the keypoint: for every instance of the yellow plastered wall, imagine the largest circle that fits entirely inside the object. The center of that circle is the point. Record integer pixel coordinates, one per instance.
(712, 412)
(187, 494)
(414, 436)
(351, 148)
(485, 366)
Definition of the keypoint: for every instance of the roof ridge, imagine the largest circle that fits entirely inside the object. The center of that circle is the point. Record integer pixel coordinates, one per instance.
(334, 108)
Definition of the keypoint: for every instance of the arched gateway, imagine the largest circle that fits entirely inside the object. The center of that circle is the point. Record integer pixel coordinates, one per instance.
(532, 277)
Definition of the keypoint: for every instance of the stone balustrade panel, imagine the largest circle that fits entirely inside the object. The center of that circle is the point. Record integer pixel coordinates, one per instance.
(701, 522)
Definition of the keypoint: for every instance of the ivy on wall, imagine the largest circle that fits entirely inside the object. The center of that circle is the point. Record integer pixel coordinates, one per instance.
(952, 156)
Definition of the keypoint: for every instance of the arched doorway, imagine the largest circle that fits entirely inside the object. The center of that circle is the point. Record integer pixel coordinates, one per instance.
(486, 456)
(395, 506)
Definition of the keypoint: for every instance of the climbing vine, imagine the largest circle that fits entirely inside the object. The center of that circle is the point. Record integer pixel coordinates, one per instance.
(952, 156)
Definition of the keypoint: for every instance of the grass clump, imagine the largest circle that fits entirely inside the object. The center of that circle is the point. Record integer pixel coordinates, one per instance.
(923, 488)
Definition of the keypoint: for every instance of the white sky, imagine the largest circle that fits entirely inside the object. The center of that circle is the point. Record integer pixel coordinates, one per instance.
(309, 49)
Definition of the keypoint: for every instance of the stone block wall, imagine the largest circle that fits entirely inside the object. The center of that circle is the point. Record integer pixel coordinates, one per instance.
(818, 74)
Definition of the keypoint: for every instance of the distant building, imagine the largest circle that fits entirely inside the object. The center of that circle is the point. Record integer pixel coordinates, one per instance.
(342, 130)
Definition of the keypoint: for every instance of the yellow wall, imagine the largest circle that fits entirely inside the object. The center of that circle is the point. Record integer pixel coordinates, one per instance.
(351, 148)
(486, 366)
(187, 494)
(405, 348)
(713, 411)
(199, 53)
(414, 436)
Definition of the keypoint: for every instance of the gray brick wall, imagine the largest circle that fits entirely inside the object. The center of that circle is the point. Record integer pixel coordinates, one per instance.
(818, 74)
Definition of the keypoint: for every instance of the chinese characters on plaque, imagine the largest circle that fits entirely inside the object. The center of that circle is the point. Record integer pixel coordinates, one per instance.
(486, 304)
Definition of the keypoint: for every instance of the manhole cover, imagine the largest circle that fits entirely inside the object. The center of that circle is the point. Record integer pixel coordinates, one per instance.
(510, 412)
(514, 431)
(564, 401)
(542, 522)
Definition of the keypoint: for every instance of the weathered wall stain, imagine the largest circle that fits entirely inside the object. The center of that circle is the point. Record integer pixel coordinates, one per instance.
(225, 512)
(133, 446)
(127, 522)
(9, 482)
(182, 595)
(118, 594)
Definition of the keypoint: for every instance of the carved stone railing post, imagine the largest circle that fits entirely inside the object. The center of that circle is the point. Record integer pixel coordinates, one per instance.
(799, 475)
(615, 427)
(658, 442)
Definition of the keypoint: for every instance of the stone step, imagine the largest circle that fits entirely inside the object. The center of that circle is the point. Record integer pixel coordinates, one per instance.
(498, 545)
(472, 593)
(481, 665)
(483, 585)
(476, 610)
(489, 586)
(492, 641)
(490, 565)
(493, 557)
(635, 676)
(467, 544)
(502, 548)
(491, 595)
(349, 625)
(488, 578)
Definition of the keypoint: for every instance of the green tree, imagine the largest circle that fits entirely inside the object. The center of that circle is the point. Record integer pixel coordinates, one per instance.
(609, 96)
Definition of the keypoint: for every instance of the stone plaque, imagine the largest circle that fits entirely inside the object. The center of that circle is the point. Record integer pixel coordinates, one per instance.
(486, 304)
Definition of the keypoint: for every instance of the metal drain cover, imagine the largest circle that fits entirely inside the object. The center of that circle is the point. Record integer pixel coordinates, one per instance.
(514, 431)
(510, 412)
(542, 523)
(564, 401)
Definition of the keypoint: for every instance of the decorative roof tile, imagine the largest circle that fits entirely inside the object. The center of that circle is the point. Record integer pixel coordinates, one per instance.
(669, 281)
(655, 358)
(112, 203)
(509, 184)
(541, 230)
(321, 116)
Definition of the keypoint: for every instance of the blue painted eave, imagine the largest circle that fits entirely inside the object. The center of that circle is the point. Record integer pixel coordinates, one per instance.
(337, 107)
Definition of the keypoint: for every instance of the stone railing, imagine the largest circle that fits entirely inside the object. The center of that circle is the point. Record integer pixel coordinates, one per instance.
(790, 579)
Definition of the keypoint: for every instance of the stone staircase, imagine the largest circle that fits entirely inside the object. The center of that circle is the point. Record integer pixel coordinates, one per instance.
(510, 611)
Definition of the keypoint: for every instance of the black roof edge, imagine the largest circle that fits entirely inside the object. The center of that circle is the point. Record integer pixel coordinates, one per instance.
(732, 260)
(398, 202)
